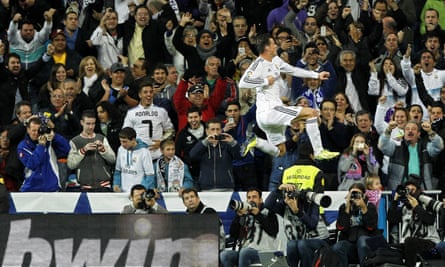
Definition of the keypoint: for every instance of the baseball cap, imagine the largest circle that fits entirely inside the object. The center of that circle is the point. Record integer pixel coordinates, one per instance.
(117, 66)
(197, 88)
(57, 32)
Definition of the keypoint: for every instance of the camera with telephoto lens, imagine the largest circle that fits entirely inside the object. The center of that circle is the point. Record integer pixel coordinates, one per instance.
(431, 203)
(147, 195)
(237, 205)
(310, 196)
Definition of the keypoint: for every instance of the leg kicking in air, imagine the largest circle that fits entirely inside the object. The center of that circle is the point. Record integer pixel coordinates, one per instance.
(264, 74)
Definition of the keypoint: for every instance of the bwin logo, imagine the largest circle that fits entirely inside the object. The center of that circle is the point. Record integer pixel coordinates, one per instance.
(162, 252)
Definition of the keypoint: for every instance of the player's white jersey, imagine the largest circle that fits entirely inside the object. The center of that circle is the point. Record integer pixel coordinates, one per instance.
(150, 123)
(268, 96)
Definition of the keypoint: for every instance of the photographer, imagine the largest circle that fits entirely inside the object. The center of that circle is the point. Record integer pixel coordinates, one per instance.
(357, 221)
(254, 228)
(39, 152)
(142, 202)
(304, 228)
(419, 231)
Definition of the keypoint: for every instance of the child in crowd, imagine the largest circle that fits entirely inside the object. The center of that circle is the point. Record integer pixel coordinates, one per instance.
(171, 173)
(133, 163)
(373, 189)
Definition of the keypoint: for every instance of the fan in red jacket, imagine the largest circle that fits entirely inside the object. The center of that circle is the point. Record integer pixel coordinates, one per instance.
(197, 96)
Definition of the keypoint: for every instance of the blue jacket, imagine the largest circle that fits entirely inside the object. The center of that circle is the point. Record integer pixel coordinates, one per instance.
(40, 176)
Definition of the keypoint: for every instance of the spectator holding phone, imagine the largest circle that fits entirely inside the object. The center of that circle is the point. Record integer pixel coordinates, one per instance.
(216, 152)
(91, 156)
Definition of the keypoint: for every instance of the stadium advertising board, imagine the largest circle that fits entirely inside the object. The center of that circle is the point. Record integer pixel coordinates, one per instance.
(109, 240)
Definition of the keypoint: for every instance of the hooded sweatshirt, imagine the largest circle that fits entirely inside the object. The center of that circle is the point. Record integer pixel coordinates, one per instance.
(134, 166)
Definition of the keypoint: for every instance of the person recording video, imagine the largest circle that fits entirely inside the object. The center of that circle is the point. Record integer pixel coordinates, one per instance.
(304, 228)
(357, 221)
(254, 228)
(417, 214)
(142, 202)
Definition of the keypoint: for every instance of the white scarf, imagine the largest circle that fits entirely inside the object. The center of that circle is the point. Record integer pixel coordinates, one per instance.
(88, 82)
(174, 172)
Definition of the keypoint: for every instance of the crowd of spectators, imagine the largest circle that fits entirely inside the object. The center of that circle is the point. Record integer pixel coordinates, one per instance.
(74, 73)
(385, 62)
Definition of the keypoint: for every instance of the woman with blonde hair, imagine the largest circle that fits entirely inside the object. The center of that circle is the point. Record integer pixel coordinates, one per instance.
(91, 75)
(356, 163)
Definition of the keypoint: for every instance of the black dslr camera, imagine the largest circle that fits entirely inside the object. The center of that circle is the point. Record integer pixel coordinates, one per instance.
(403, 193)
(292, 194)
(44, 129)
(147, 195)
(356, 195)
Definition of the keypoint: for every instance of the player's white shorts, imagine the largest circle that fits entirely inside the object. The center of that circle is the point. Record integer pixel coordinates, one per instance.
(275, 121)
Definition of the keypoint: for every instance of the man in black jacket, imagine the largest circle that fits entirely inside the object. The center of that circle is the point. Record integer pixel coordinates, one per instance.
(417, 215)
(357, 221)
(151, 35)
(188, 137)
(352, 79)
(15, 135)
(194, 205)
(254, 228)
(14, 81)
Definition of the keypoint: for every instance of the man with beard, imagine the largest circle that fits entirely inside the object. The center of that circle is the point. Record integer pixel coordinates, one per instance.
(419, 230)
(434, 44)
(188, 137)
(413, 155)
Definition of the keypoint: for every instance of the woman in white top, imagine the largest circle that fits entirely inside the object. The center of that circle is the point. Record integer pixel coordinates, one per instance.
(388, 82)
